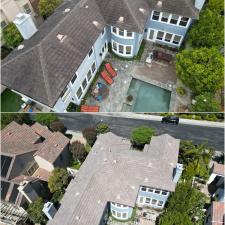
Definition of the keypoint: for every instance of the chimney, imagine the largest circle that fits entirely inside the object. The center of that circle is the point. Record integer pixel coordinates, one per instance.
(199, 4)
(49, 210)
(25, 25)
(177, 172)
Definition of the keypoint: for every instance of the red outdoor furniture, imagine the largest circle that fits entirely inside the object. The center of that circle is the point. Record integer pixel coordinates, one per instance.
(162, 56)
(106, 77)
(111, 71)
(89, 108)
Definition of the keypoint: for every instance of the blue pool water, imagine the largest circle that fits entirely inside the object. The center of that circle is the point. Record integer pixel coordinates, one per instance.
(148, 97)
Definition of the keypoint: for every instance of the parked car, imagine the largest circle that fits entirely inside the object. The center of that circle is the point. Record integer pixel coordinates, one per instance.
(170, 119)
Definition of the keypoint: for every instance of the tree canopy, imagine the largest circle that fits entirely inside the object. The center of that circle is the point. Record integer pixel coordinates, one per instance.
(142, 135)
(46, 118)
(58, 180)
(35, 211)
(201, 69)
(205, 102)
(11, 36)
(47, 7)
(217, 6)
(78, 150)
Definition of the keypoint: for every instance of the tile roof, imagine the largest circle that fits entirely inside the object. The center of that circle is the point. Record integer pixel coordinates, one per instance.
(41, 130)
(218, 168)
(41, 174)
(54, 63)
(113, 172)
(218, 213)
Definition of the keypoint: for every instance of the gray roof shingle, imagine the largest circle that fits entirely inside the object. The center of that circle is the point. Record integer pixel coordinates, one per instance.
(43, 68)
(113, 172)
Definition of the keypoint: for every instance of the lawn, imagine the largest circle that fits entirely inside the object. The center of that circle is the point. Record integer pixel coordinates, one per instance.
(10, 101)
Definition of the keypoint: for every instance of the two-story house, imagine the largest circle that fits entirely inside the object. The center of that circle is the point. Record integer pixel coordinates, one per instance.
(114, 179)
(59, 62)
(28, 155)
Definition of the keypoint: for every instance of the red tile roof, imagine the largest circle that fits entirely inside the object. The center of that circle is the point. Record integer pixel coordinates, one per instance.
(218, 168)
(217, 213)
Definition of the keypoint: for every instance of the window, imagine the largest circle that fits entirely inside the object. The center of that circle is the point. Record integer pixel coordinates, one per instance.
(73, 79)
(129, 34)
(113, 212)
(93, 67)
(114, 30)
(141, 200)
(164, 192)
(183, 21)
(155, 15)
(27, 8)
(154, 201)
(118, 214)
(168, 37)
(84, 83)
(147, 200)
(115, 46)
(160, 35)
(176, 39)
(105, 44)
(143, 188)
(174, 19)
(157, 191)
(121, 32)
(89, 75)
(119, 205)
(150, 190)
(79, 93)
(103, 32)
(124, 215)
(3, 24)
(165, 17)
(65, 94)
(103, 49)
(128, 50)
(160, 203)
(121, 49)
(90, 52)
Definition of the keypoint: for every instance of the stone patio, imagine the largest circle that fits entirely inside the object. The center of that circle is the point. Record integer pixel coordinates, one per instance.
(158, 73)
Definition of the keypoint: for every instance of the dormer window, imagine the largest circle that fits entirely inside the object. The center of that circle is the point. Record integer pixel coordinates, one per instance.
(156, 15)
(174, 19)
(74, 79)
(165, 17)
(90, 52)
(183, 21)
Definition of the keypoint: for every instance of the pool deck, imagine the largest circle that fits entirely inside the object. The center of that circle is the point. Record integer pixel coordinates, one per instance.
(157, 73)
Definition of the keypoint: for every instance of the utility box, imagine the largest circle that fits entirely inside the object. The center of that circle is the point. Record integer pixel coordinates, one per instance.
(49, 210)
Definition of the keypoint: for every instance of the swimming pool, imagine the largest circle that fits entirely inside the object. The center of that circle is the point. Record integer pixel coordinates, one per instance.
(147, 98)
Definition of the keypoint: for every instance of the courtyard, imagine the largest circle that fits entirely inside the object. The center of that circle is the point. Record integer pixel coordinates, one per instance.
(141, 86)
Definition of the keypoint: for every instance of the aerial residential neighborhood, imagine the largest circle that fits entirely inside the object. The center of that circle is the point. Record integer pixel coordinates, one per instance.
(114, 56)
(55, 170)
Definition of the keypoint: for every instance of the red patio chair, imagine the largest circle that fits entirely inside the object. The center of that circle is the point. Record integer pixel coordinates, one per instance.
(89, 108)
(106, 77)
(111, 71)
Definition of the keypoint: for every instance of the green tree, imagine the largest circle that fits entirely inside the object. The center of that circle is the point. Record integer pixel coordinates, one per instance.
(201, 69)
(46, 118)
(58, 126)
(35, 211)
(142, 135)
(90, 134)
(58, 180)
(216, 6)
(20, 118)
(11, 36)
(208, 30)
(47, 7)
(205, 102)
(102, 128)
(79, 151)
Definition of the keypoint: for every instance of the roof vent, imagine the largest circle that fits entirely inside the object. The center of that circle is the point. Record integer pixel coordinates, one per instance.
(149, 164)
(77, 218)
(121, 19)
(114, 161)
(86, 6)
(56, 145)
(66, 10)
(97, 24)
(9, 133)
(142, 10)
(77, 193)
(118, 196)
(20, 47)
(61, 37)
(146, 179)
(99, 201)
(132, 187)
(159, 4)
(105, 160)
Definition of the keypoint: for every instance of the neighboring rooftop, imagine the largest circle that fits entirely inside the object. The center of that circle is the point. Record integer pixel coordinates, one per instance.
(218, 169)
(113, 172)
(55, 62)
(218, 213)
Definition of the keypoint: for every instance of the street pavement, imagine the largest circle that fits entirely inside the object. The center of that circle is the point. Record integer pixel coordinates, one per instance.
(123, 126)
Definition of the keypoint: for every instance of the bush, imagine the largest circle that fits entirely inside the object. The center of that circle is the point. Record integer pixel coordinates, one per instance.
(56, 197)
(11, 36)
(141, 136)
(35, 213)
(58, 126)
(46, 118)
(90, 134)
(130, 98)
(205, 102)
(76, 165)
(102, 128)
(47, 7)
(72, 107)
(58, 180)
(180, 91)
(78, 150)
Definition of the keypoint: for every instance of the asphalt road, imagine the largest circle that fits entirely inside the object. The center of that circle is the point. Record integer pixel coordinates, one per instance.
(124, 126)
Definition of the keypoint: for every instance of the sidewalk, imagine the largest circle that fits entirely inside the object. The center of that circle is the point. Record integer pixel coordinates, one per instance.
(140, 116)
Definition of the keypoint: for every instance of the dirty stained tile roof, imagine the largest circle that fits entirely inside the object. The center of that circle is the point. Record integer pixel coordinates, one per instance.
(218, 168)
(113, 172)
(44, 67)
(218, 213)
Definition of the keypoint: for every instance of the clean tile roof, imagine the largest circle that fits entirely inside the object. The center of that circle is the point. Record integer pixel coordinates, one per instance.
(44, 67)
(114, 172)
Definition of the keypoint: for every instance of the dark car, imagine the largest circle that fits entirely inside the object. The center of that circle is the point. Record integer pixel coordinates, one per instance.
(170, 119)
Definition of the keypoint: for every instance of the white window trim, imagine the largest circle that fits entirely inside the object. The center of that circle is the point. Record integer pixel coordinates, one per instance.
(91, 53)
(150, 202)
(95, 68)
(154, 190)
(120, 36)
(170, 16)
(102, 34)
(116, 214)
(124, 49)
(120, 207)
(163, 38)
